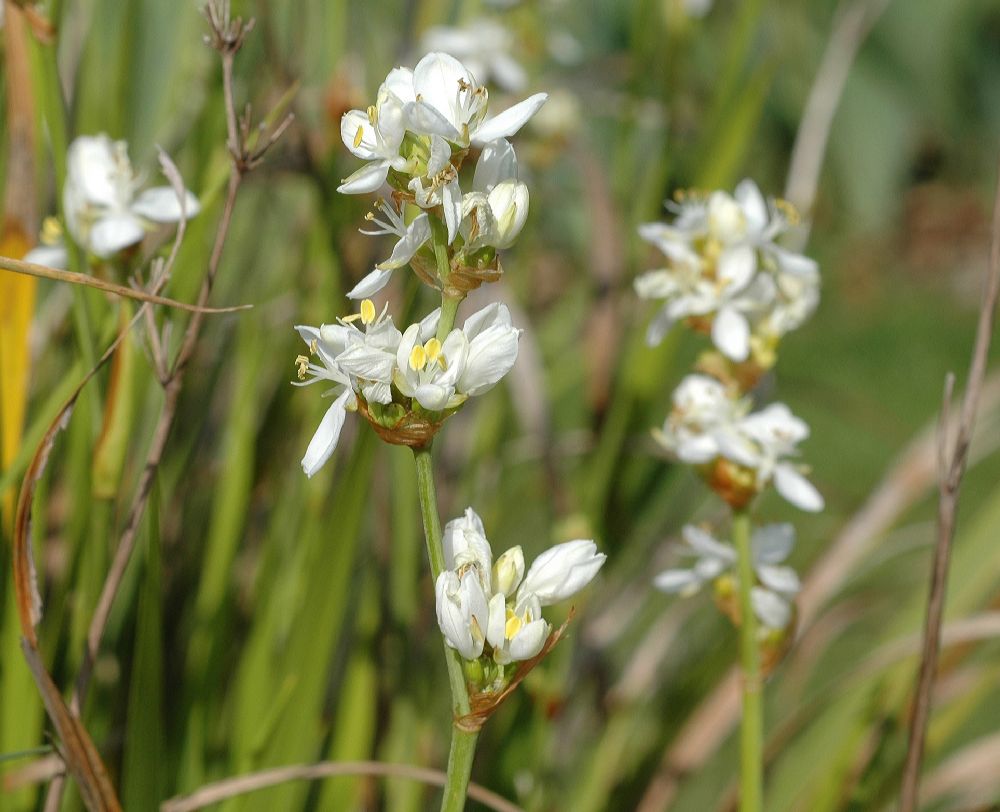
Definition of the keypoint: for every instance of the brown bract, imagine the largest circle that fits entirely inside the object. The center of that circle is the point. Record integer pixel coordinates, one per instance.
(733, 483)
(484, 704)
(412, 429)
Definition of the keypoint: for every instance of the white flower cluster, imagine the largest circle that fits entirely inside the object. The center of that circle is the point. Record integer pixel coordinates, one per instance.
(482, 603)
(415, 138)
(708, 424)
(727, 274)
(715, 561)
(385, 366)
(425, 122)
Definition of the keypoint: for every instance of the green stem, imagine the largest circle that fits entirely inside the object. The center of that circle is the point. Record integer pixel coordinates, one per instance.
(449, 303)
(463, 743)
(752, 729)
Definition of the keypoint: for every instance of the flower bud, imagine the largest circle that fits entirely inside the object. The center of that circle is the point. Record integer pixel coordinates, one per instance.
(508, 572)
(562, 571)
(462, 612)
(509, 204)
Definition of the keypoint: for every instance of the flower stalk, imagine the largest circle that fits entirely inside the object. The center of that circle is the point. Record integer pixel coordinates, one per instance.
(752, 728)
(463, 742)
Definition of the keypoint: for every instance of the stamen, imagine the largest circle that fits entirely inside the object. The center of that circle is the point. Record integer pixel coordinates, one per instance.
(418, 358)
(372, 115)
(314, 347)
(51, 231)
(512, 626)
(788, 210)
(367, 312)
(358, 136)
(433, 350)
(302, 364)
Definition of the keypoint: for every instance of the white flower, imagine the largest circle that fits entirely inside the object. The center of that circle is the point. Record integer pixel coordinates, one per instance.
(464, 542)
(462, 611)
(450, 103)
(702, 406)
(483, 46)
(513, 626)
(375, 134)
(496, 210)
(770, 545)
(562, 571)
(352, 360)
(761, 442)
(412, 237)
(103, 211)
(469, 362)
(696, 8)
(516, 632)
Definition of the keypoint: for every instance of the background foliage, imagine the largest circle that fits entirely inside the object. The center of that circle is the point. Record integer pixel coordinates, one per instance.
(269, 619)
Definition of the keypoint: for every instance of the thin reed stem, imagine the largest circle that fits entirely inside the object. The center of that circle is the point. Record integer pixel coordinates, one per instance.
(752, 729)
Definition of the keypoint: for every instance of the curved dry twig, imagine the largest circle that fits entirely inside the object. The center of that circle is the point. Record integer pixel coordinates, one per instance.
(241, 785)
(44, 272)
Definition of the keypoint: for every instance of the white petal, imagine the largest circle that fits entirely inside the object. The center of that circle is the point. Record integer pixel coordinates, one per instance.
(96, 167)
(736, 267)
(753, 204)
(509, 121)
(703, 544)
(113, 232)
(324, 441)
(161, 205)
(417, 233)
(731, 334)
(399, 82)
(773, 610)
(773, 543)
(659, 326)
(491, 356)
(529, 640)
(437, 81)
(51, 256)
(432, 396)
(672, 581)
(368, 178)
(493, 314)
(797, 489)
(495, 630)
(425, 119)
(451, 202)
(496, 163)
(353, 123)
(562, 571)
(780, 579)
(371, 284)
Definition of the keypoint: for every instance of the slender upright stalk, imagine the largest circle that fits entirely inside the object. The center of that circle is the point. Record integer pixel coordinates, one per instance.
(752, 729)
(463, 742)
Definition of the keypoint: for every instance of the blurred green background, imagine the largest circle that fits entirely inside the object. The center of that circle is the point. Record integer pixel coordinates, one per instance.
(268, 619)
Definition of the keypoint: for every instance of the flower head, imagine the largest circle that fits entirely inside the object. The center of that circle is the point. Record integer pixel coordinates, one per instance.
(515, 629)
(770, 546)
(105, 212)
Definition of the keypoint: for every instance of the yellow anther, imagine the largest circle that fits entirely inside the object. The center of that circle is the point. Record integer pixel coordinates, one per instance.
(433, 350)
(302, 364)
(418, 358)
(313, 347)
(51, 231)
(512, 626)
(370, 216)
(358, 136)
(788, 210)
(373, 115)
(463, 85)
(367, 312)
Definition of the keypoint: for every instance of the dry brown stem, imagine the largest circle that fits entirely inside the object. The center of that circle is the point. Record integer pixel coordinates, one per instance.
(953, 457)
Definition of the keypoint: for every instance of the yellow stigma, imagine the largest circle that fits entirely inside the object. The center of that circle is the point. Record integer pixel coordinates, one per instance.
(358, 136)
(302, 365)
(51, 231)
(367, 312)
(433, 349)
(512, 626)
(418, 358)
